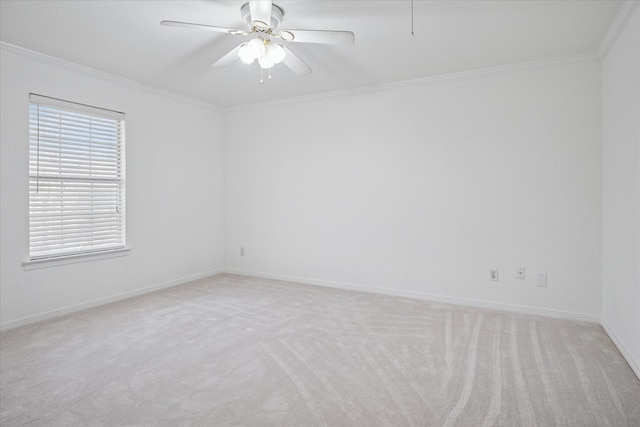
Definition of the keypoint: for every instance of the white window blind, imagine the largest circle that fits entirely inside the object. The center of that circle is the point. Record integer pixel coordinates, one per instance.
(76, 179)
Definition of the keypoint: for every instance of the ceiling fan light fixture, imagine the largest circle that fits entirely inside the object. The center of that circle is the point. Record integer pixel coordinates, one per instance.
(268, 54)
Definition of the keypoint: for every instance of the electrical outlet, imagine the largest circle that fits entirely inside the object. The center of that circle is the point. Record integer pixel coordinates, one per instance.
(242, 250)
(493, 274)
(541, 280)
(520, 273)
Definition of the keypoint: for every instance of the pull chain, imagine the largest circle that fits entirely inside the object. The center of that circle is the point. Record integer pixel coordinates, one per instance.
(261, 78)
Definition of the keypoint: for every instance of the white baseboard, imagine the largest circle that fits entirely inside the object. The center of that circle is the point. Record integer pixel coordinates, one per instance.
(633, 364)
(102, 301)
(325, 283)
(579, 317)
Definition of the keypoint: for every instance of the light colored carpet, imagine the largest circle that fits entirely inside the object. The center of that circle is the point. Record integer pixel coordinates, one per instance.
(232, 350)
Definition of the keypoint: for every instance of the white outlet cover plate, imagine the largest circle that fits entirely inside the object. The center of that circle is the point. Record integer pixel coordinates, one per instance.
(541, 280)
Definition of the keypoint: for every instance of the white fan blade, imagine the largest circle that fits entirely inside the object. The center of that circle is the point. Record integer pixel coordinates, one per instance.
(318, 36)
(260, 13)
(229, 58)
(213, 28)
(295, 64)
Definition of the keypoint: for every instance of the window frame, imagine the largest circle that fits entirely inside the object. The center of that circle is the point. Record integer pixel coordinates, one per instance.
(87, 176)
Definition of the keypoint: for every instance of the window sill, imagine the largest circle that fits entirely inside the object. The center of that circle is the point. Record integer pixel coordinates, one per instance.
(73, 259)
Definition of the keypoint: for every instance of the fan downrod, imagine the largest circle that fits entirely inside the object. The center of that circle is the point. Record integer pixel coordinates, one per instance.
(277, 13)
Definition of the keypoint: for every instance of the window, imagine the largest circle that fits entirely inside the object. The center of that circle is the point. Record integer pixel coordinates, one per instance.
(76, 179)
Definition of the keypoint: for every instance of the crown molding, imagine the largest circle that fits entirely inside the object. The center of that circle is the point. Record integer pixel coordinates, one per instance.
(463, 75)
(92, 72)
(626, 11)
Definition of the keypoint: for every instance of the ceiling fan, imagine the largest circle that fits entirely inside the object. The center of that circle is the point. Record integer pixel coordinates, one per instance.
(263, 19)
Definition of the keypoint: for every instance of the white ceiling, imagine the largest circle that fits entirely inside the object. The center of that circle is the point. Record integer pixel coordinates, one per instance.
(125, 38)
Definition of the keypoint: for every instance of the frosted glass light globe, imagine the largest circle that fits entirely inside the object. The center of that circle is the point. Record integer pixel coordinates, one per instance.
(245, 54)
(265, 61)
(276, 53)
(256, 47)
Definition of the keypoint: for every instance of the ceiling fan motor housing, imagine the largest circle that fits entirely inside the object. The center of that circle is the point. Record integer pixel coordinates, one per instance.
(277, 13)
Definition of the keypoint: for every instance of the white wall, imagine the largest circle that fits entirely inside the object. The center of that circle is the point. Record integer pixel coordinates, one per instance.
(420, 188)
(416, 189)
(174, 197)
(621, 192)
